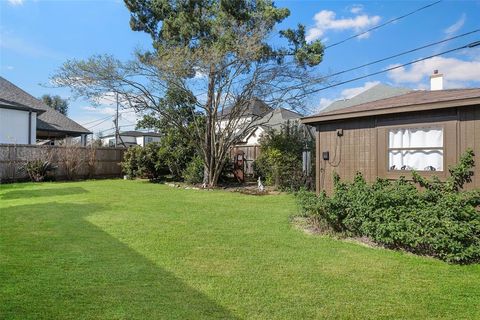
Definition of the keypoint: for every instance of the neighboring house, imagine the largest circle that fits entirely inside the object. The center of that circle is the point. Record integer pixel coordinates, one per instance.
(131, 138)
(273, 120)
(426, 131)
(17, 123)
(25, 119)
(236, 117)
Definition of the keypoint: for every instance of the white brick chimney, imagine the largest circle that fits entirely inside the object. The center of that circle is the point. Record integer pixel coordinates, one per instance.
(436, 81)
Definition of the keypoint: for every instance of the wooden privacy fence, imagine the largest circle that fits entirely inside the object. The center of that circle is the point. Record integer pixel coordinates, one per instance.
(91, 162)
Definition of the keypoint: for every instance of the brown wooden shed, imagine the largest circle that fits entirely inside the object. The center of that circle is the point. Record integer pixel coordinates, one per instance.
(424, 131)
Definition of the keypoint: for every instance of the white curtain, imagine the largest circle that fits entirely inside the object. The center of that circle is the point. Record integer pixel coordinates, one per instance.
(416, 160)
(427, 159)
(416, 138)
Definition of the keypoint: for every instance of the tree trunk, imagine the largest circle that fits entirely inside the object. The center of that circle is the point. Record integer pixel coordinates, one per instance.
(209, 132)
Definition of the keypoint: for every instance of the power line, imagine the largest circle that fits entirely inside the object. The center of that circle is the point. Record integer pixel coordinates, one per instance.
(109, 117)
(93, 121)
(402, 53)
(383, 24)
(470, 45)
(113, 128)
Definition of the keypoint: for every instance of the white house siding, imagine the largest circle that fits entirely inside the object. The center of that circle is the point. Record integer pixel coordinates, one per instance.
(14, 126)
(149, 139)
(140, 141)
(239, 122)
(110, 141)
(254, 138)
(130, 140)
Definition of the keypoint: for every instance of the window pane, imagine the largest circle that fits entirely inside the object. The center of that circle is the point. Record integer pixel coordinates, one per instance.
(415, 138)
(422, 160)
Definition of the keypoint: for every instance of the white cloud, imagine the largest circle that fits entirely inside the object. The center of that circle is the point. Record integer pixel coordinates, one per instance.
(326, 20)
(457, 72)
(100, 110)
(15, 2)
(456, 26)
(356, 8)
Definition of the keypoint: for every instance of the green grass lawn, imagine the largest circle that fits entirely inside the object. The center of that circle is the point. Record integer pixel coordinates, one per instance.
(119, 249)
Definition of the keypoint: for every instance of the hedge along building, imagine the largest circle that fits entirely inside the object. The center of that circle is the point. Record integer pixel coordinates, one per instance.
(425, 131)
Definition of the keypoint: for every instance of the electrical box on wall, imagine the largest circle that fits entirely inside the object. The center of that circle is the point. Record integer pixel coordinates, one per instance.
(326, 155)
(339, 132)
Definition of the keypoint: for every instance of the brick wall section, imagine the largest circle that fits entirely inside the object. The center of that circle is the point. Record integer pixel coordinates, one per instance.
(12, 157)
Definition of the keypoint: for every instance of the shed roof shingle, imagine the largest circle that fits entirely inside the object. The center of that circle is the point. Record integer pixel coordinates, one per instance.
(49, 120)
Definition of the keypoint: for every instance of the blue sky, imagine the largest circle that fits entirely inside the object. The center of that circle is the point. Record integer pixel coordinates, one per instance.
(37, 36)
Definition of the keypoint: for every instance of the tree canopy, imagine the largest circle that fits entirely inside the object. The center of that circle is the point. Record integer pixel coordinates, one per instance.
(217, 54)
(56, 102)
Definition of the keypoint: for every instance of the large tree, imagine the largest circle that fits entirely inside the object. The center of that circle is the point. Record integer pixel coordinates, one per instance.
(56, 102)
(224, 55)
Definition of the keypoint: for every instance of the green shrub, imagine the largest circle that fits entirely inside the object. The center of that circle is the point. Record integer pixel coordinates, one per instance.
(280, 163)
(440, 220)
(144, 162)
(129, 163)
(193, 173)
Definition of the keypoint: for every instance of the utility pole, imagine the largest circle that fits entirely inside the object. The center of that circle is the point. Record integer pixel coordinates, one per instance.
(117, 131)
(118, 137)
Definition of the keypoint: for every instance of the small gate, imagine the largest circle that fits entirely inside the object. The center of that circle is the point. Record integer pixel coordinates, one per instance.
(239, 166)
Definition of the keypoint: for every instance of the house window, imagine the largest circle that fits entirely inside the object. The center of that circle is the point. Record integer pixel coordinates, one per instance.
(420, 149)
(149, 139)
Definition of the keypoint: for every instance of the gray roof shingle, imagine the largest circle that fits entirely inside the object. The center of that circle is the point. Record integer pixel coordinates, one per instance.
(380, 91)
(278, 117)
(49, 120)
(256, 108)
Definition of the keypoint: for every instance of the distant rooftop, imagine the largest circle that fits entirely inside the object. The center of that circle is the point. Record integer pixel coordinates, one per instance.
(377, 92)
(256, 107)
(277, 117)
(48, 119)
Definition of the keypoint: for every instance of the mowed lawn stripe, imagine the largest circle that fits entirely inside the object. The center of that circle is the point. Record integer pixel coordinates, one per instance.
(133, 250)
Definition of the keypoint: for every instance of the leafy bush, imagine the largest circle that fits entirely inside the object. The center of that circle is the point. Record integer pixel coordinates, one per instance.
(144, 162)
(193, 173)
(129, 163)
(280, 162)
(439, 221)
(176, 150)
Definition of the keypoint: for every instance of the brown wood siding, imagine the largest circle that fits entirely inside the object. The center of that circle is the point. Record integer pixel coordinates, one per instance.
(349, 153)
(469, 137)
(362, 148)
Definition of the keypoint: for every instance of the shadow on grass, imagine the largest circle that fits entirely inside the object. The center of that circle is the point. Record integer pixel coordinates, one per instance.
(20, 194)
(54, 264)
